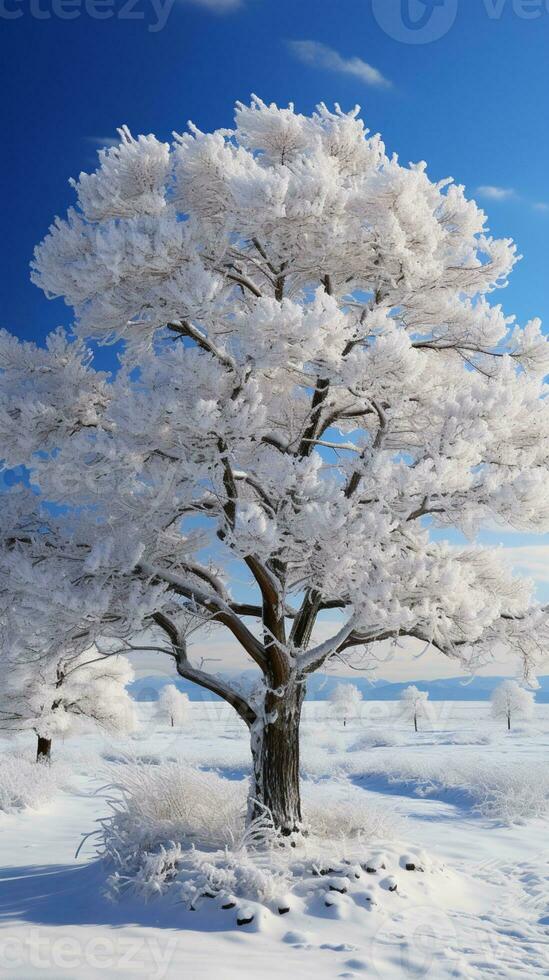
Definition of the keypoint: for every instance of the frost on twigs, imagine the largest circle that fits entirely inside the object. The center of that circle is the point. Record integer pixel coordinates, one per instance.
(24, 785)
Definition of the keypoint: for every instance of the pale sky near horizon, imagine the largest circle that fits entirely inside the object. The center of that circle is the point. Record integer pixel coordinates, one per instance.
(410, 661)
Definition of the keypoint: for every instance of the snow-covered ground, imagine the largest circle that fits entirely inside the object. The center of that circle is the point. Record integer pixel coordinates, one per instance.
(465, 800)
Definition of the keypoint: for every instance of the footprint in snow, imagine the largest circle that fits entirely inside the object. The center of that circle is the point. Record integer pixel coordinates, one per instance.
(339, 948)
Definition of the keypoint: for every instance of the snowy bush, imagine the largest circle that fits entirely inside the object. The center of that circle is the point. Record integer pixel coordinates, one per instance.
(347, 817)
(173, 801)
(463, 738)
(175, 827)
(511, 792)
(23, 784)
(375, 740)
(506, 791)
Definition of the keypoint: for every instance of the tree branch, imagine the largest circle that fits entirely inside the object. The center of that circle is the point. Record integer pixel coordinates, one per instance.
(215, 605)
(208, 681)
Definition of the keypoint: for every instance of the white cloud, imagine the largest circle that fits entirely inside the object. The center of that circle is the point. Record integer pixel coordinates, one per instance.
(496, 193)
(541, 206)
(530, 560)
(320, 55)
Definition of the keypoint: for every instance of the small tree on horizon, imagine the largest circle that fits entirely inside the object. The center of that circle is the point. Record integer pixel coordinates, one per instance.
(346, 699)
(174, 705)
(510, 700)
(414, 703)
(311, 377)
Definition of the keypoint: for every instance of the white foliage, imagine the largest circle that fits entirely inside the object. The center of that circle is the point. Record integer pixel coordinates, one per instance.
(414, 703)
(173, 706)
(60, 698)
(312, 369)
(346, 699)
(24, 784)
(509, 701)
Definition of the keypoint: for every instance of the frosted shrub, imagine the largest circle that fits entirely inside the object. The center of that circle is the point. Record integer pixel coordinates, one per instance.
(375, 740)
(24, 784)
(505, 791)
(177, 827)
(157, 803)
(348, 818)
(512, 792)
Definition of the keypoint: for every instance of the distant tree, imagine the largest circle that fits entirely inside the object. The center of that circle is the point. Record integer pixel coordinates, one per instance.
(173, 705)
(346, 699)
(58, 699)
(414, 703)
(510, 700)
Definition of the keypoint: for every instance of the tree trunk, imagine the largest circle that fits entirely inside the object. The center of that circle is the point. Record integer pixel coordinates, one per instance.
(415, 722)
(43, 750)
(508, 723)
(275, 752)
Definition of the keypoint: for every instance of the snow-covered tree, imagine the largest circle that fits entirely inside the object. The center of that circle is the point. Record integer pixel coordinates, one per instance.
(58, 698)
(414, 703)
(173, 706)
(311, 378)
(510, 700)
(345, 699)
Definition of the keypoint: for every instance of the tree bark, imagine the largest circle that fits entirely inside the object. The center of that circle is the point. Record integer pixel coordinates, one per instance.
(43, 749)
(275, 788)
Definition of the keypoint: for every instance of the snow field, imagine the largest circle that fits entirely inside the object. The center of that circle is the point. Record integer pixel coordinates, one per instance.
(479, 908)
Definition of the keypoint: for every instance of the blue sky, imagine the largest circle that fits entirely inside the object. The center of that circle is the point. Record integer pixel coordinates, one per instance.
(473, 103)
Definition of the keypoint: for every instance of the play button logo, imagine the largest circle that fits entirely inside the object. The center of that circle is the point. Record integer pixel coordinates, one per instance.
(415, 21)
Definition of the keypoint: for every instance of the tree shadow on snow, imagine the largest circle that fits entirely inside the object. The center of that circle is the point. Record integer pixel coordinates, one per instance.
(74, 895)
(460, 799)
